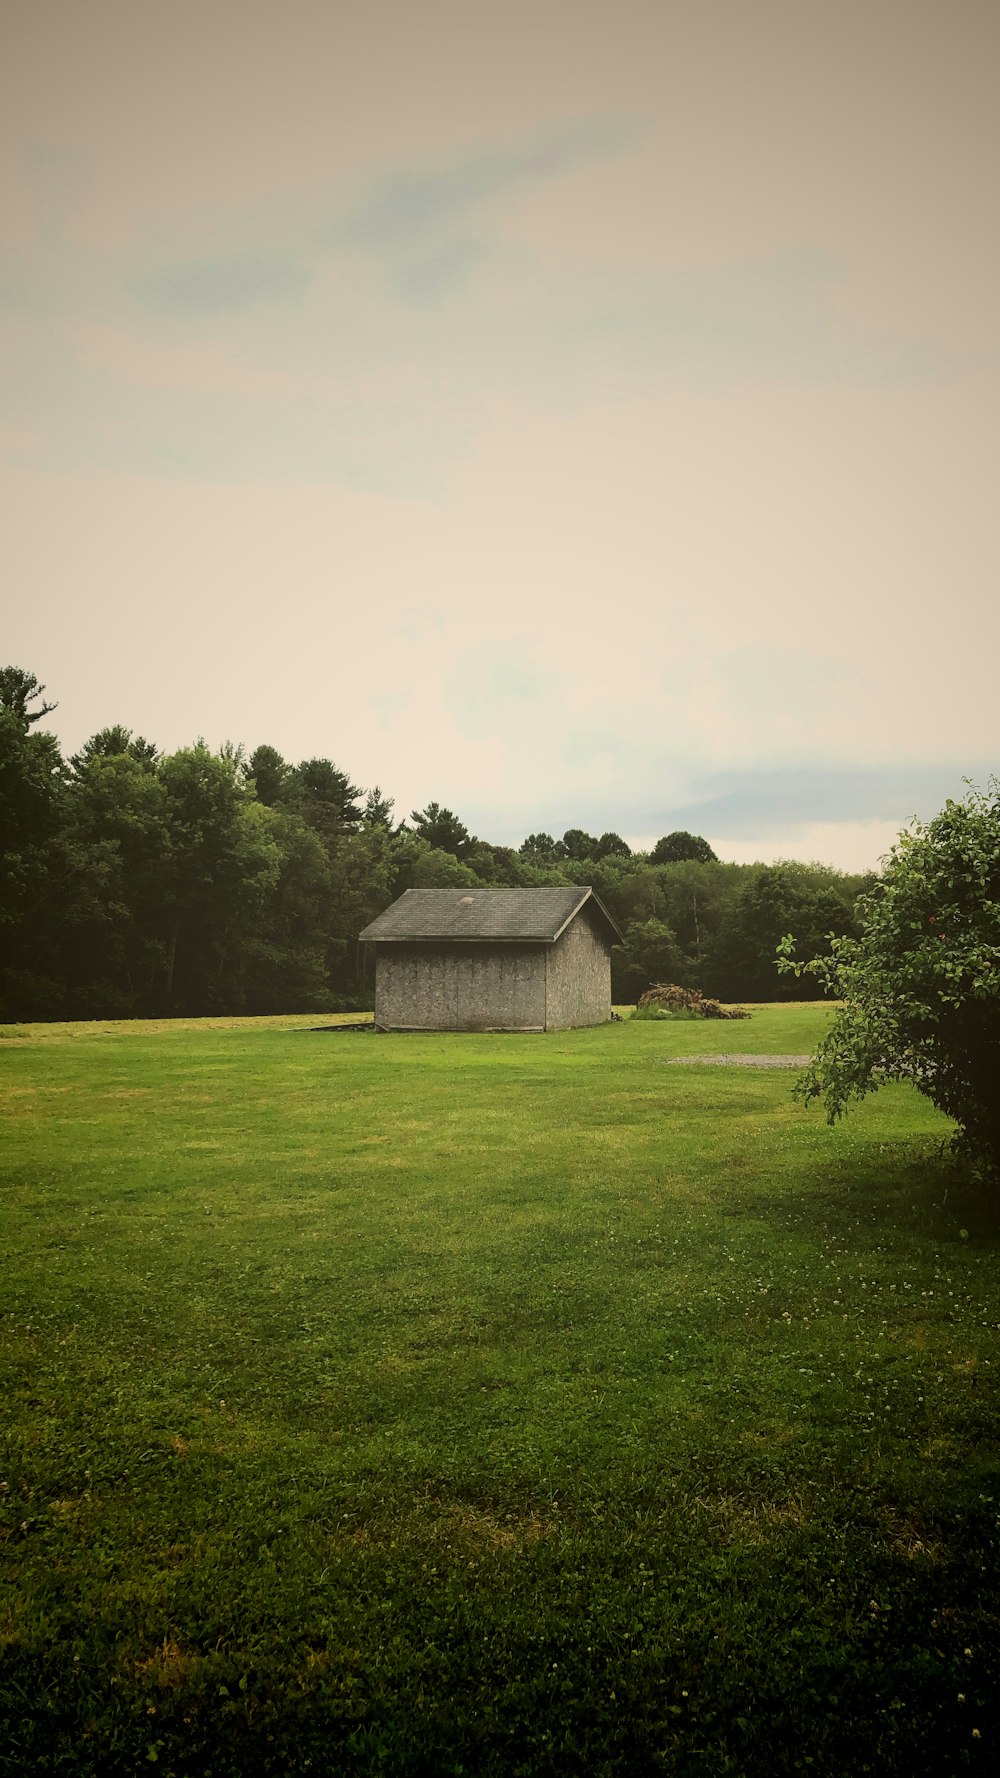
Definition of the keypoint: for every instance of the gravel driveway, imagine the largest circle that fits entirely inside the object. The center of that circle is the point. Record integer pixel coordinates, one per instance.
(737, 1061)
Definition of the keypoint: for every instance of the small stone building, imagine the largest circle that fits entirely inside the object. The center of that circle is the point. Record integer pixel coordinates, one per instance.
(492, 960)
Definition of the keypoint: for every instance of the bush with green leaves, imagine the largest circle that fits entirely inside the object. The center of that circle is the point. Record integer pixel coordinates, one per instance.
(920, 985)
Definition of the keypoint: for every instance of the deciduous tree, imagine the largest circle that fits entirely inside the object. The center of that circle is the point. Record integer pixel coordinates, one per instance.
(770, 900)
(32, 811)
(675, 847)
(650, 954)
(579, 845)
(541, 848)
(920, 983)
(222, 860)
(611, 845)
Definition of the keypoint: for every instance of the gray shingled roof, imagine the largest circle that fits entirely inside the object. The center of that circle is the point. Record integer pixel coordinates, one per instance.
(486, 916)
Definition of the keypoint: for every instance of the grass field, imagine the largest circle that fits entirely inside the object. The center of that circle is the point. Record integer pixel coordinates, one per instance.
(459, 1404)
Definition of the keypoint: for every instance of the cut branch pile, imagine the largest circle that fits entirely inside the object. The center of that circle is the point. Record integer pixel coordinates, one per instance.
(675, 999)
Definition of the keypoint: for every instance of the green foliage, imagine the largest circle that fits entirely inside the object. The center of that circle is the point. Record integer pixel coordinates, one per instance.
(32, 809)
(273, 778)
(541, 848)
(694, 896)
(650, 954)
(19, 690)
(221, 861)
(611, 845)
(441, 829)
(921, 981)
(578, 845)
(109, 743)
(285, 959)
(675, 848)
(117, 864)
(499, 865)
(378, 809)
(325, 797)
(432, 867)
(31, 785)
(811, 901)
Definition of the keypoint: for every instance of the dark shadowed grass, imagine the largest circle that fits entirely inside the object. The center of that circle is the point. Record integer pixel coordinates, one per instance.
(488, 1405)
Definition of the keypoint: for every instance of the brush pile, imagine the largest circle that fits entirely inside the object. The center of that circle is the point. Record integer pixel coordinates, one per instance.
(687, 1000)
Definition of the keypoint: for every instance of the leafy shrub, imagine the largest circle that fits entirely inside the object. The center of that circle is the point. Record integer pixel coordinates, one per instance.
(921, 984)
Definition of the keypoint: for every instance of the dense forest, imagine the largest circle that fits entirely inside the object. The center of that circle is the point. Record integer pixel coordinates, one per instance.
(134, 882)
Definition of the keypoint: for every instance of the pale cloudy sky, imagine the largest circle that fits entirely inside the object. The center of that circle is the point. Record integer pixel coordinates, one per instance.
(579, 413)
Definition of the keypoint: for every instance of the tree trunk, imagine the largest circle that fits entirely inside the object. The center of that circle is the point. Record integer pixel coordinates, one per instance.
(171, 957)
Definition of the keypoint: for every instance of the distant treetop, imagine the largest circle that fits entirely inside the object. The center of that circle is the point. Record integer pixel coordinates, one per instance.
(674, 848)
(113, 743)
(442, 829)
(18, 689)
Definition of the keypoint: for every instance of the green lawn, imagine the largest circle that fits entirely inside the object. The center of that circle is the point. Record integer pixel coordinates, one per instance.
(488, 1405)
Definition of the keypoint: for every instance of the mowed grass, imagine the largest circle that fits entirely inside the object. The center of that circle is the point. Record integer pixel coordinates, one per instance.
(480, 1404)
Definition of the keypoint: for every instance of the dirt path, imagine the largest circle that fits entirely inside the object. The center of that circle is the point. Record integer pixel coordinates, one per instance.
(736, 1061)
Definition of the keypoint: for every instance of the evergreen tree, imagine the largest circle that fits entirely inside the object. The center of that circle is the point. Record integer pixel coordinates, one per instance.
(441, 829)
(272, 777)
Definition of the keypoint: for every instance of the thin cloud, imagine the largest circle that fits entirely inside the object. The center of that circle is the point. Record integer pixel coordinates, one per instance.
(774, 318)
(374, 344)
(422, 279)
(427, 229)
(769, 803)
(493, 686)
(403, 207)
(775, 800)
(222, 285)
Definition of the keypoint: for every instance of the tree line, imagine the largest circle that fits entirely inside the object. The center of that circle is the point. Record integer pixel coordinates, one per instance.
(140, 883)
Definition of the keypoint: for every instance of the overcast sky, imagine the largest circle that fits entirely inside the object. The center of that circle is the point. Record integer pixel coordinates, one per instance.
(581, 414)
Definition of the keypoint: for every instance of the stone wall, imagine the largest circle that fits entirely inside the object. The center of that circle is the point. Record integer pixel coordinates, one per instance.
(578, 970)
(456, 987)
